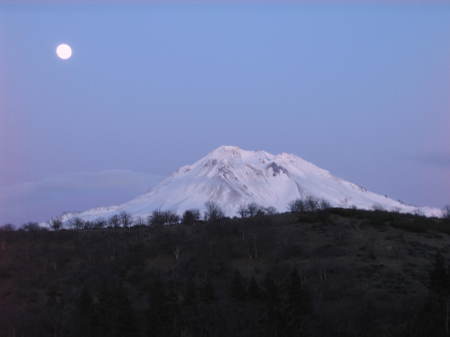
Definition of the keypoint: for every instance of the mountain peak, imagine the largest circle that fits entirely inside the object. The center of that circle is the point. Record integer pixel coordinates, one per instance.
(232, 153)
(233, 177)
(225, 151)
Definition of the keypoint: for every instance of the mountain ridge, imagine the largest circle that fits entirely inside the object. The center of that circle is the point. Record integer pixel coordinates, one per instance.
(233, 177)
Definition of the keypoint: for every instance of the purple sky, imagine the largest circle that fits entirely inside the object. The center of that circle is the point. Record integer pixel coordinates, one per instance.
(361, 90)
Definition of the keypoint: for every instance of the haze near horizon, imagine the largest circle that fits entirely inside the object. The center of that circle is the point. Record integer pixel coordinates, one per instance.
(360, 90)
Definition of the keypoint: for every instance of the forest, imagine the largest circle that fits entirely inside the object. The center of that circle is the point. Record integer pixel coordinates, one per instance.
(323, 272)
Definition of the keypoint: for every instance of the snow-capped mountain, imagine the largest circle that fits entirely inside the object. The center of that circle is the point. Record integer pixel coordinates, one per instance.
(233, 177)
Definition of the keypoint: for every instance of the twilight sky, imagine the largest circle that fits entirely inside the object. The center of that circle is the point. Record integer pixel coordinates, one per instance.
(362, 90)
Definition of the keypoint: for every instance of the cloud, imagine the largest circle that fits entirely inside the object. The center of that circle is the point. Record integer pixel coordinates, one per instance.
(438, 159)
(40, 200)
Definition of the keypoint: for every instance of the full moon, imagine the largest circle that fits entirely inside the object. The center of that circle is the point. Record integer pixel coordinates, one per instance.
(64, 51)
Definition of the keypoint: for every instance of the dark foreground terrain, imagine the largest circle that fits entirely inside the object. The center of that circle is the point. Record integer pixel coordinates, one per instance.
(327, 273)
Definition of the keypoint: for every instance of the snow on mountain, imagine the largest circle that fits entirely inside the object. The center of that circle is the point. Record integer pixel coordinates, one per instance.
(233, 177)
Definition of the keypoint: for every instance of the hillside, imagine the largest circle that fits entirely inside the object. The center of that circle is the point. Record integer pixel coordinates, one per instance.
(330, 273)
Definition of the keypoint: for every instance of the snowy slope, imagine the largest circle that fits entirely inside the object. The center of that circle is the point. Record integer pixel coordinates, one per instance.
(233, 177)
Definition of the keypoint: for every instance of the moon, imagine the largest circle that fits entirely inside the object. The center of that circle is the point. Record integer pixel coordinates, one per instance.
(64, 51)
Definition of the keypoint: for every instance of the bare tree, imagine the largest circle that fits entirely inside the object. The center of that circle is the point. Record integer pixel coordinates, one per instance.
(114, 221)
(213, 212)
(139, 221)
(100, 223)
(56, 224)
(242, 211)
(159, 217)
(309, 204)
(446, 212)
(324, 204)
(250, 210)
(33, 227)
(297, 206)
(125, 219)
(312, 204)
(76, 223)
(270, 210)
(378, 207)
(7, 227)
(190, 216)
(253, 209)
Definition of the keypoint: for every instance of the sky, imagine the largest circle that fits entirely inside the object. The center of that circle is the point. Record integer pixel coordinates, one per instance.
(360, 89)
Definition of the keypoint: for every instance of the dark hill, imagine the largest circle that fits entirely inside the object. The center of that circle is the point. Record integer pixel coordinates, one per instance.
(328, 273)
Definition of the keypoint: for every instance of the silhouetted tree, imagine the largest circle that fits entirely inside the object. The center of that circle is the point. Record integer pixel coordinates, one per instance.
(312, 204)
(191, 216)
(213, 212)
(125, 219)
(297, 206)
(270, 210)
(7, 228)
(159, 217)
(446, 212)
(324, 204)
(114, 221)
(251, 210)
(100, 223)
(32, 227)
(242, 211)
(139, 221)
(56, 224)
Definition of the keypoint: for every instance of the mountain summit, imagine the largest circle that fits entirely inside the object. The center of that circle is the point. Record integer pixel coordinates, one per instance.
(233, 177)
